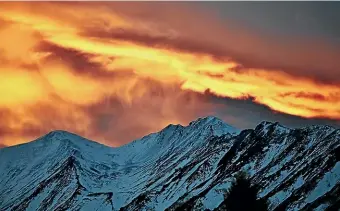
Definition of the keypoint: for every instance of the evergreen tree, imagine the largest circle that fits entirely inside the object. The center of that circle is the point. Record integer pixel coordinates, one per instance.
(242, 196)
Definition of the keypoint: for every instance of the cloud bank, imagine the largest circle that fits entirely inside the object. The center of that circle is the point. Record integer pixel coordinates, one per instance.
(113, 73)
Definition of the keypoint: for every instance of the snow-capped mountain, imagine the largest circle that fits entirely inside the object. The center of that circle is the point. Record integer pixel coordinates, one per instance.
(178, 168)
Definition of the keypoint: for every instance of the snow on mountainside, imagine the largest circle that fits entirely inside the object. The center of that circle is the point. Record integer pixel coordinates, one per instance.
(178, 168)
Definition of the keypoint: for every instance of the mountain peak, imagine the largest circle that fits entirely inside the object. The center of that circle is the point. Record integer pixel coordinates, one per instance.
(205, 120)
(59, 135)
(172, 126)
(265, 126)
(68, 138)
(62, 132)
(218, 126)
(267, 123)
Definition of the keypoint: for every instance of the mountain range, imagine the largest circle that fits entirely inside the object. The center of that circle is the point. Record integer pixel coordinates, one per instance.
(178, 168)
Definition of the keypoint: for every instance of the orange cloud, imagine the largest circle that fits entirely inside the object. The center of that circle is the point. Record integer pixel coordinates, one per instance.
(121, 54)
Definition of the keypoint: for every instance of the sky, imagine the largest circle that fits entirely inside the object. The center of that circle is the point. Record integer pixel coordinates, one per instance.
(116, 71)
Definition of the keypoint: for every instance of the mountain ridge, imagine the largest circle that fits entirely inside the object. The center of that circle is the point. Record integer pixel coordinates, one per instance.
(179, 166)
(198, 120)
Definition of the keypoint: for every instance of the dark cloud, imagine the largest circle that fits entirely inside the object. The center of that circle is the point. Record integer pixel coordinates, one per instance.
(318, 19)
(169, 41)
(313, 96)
(320, 72)
(300, 38)
(211, 75)
(294, 55)
(80, 62)
(251, 33)
(247, 114)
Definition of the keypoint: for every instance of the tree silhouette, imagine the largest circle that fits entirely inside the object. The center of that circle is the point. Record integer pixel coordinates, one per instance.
(242, 196)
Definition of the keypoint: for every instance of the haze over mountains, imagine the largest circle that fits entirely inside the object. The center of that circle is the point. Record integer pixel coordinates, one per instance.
(179, 167)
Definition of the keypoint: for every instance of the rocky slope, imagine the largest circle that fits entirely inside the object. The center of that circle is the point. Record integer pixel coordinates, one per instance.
(180, 167)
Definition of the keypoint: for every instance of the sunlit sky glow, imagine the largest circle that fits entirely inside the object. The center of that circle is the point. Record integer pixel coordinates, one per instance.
(114, 71)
